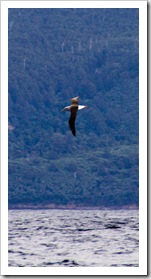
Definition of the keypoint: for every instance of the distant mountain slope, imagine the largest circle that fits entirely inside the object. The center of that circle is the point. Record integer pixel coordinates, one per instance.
(54, 55)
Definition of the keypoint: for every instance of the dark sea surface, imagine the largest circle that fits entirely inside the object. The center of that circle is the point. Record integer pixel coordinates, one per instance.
(93, 238)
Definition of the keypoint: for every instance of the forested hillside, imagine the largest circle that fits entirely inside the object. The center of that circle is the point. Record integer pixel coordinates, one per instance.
(57, 54)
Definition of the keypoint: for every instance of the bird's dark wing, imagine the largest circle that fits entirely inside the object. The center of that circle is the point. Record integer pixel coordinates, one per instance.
(72, 119)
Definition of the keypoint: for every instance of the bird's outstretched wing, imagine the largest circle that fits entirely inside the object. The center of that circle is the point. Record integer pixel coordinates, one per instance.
(72, 119)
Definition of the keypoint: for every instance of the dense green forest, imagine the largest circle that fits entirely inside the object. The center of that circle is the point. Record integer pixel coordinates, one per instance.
(57, 54)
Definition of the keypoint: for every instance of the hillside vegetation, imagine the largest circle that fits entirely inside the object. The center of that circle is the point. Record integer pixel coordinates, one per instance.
(54, 55)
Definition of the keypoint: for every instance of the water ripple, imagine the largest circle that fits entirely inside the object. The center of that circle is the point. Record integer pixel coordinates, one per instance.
(73, 238)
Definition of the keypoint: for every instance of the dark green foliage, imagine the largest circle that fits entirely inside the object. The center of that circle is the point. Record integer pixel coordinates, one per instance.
(54, 55)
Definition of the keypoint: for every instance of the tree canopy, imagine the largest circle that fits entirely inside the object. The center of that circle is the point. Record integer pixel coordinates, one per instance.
(54, 55)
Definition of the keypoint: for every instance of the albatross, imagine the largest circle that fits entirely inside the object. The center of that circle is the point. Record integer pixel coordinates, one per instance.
(73, 108)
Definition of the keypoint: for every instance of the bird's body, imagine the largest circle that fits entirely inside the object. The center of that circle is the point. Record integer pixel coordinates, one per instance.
(73, 108)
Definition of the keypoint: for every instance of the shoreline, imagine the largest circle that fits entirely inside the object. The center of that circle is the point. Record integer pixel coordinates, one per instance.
(70, 207)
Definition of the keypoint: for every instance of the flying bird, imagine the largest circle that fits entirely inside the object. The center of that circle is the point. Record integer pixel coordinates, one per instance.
(73, 108)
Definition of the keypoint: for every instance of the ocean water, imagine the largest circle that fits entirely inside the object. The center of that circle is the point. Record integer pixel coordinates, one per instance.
(93, 238)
